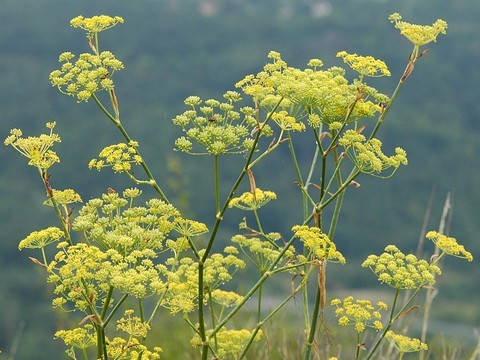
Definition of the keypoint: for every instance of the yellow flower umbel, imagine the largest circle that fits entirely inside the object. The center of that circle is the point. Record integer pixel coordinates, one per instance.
(36, 148)
(89, 74)
(252, 201)
(449, 245)
(42, 238)
(365, 65)
(216, 126)
(360, 313)
(321, 247)
(119, 157)
(95, 24)
(401, 271)
(367, 155)
(405, 344)
(419, 35)
(229, 343)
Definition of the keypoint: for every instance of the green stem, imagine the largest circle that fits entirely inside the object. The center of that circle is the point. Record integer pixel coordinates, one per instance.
(120, 127)
(107, 302)
(114, 310)
(217, 186)
(357, 352)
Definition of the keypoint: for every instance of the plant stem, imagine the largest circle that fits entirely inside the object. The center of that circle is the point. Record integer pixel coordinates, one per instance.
(127, 137)
(217, 186)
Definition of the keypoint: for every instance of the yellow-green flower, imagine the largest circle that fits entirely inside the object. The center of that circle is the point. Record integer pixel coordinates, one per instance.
(367, 155)
(118, 156)
(449, 245)
(89, 74)
(419, 35)
(42, 238)
(365, 65)
(226, 298)
(252, 201)
(318, 243)
(287, 122)
(80, 337)
(229, 343)
(401, 271)
(359, 313)
(64, 197)
(36, 148)
(405, 344)
(95, 24)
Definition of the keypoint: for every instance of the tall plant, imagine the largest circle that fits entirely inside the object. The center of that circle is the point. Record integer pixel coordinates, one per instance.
(120, 261)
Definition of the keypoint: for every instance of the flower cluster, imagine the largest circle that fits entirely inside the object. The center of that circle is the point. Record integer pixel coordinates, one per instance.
(89, 74)
(42, 238)
(118, 156)
(179, 290)
(216, 126)
(251, 201)
(405, 344)
(449, 245)
(365, 65)
(360, 313)
(419, 35)
(229, 343)
(80, 337)
(107, 223)
(321, 247)
(36, 148)
(287, 122)
(326, 93)
(226, 298)
(64, 197)
(95, 24)
(401, 271)
(367, 155)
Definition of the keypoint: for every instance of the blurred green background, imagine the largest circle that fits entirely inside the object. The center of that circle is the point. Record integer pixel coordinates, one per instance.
(175, 48)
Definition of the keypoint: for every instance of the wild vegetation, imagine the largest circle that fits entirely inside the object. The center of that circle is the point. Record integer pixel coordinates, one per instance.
(119, 252)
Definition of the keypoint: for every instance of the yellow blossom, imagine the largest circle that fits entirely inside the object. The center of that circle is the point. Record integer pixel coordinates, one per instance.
(64, 197)
(359, 313)
(42, 238)
(419, 35)
(365, 65)
(401, 271)
(318, 243)
(405, 344)
(252, 201)
(36, 148)
(119, 157)
(95, 24)
(449, 245)
(80, 337)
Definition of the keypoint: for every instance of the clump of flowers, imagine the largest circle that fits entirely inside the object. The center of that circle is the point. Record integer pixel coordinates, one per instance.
(229, 343)
(95, 24)
(36, 148)
(405, 344)
(89, 74)
(367, 155)
(320, 246)
(253, 200)
(449, 245)
(64, 197)
(419, 35)
(365, 65)
(400, 271)
(119, 157)
(81, 337)
(216, 126)
(42, 238)
(325, 93)
(359, 313)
